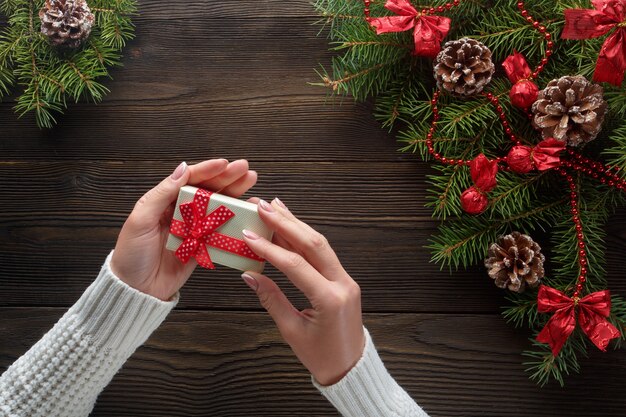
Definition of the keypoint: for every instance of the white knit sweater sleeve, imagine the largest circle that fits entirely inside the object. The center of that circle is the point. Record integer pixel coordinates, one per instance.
(369, 391)
(62, 375)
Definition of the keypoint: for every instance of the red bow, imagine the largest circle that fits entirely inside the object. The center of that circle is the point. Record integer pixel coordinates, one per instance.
(543, 156)
(483, 172)
(198, 231)
(524, 92)
(429, 30)
(585, 24)
(592, 310)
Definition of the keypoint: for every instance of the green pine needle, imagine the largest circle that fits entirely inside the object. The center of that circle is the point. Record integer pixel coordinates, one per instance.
(381, 66)
(49, 76)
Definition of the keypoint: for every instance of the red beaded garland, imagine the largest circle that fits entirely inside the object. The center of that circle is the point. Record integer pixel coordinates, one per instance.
(546, 35)
(431, 10)
(582, 252)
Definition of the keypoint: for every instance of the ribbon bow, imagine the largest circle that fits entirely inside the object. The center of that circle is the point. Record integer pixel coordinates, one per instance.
(483, 172)
(592, 312)
(428, 31)
(585, 24)
(543, 156)
(198, 230)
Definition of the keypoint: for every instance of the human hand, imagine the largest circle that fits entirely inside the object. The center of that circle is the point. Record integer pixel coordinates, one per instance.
(140, 258)
(328, 338)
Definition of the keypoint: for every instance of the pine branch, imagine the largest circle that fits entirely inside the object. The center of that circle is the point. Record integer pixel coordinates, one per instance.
(464, 242)
(381, 66)
(544, 367)
(48, 76)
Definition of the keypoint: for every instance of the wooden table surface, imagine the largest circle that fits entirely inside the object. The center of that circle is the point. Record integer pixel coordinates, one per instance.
(229, 79)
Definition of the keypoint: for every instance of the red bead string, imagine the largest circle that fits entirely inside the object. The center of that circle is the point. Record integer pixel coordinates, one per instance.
(580, 237)
(546, 35)
(430, 10)
(595, 170)
(502, 116)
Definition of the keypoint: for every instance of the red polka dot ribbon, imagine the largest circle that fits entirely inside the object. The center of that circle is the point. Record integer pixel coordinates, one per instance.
(198, 230)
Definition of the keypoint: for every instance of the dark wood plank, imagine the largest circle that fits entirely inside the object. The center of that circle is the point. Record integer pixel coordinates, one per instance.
(374, 219)
(53, 247)
(235, 364)
(234, 88)
(239, 9)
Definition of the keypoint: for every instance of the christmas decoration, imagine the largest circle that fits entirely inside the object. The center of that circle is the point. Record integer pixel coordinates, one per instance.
(483, 171)
(545, 155)
(66, 22)
(592, 312)
(537, 175)
(463, 67)
(515, 262)
(609, 15)
(524, 91)
(208, 227)
(570, 109)
(53, 51)
(428, 31)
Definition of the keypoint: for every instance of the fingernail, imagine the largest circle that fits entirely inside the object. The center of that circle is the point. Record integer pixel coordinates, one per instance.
(250, 234)
(280, 203)
(179, 171)
(251, 281)
(266, 206)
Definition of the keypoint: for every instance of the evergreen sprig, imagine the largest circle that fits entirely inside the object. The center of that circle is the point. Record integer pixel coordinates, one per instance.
(47, 76)
(382, 66)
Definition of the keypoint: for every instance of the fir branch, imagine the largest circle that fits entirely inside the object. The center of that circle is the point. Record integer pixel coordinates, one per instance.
(544, 367)
(48, 76)
(403, 90)
(465, 242)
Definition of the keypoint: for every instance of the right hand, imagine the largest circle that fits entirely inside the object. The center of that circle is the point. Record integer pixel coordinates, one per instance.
(328, 338)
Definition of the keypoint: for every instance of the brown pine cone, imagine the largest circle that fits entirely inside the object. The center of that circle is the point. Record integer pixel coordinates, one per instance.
(66, 22)
(570, 109)
(463, 67)
(515, 261)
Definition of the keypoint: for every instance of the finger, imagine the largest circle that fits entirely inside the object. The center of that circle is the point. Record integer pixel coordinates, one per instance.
(274, 301)
(240, 186)
(150, 207)
(253, 200)
(280, 241)
(206, 170)
(305, 240)
(294, 266)
(231, 173)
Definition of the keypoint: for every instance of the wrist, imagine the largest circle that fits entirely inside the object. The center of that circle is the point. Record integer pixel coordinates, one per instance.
(115, 315)
(339, 369)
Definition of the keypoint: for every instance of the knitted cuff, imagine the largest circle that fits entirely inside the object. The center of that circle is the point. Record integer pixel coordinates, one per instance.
(117, 316)
(368, 390)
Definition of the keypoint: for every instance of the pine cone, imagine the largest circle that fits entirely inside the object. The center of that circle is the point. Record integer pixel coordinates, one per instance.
(66, 22)
(463, 67)
(515, 261)
(570, 109)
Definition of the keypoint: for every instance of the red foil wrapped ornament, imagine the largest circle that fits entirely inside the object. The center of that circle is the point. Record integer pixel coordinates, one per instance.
(483, 171)
(524, 91)
(592, 311)
(543, 156)
(428, 30)
(585, 24)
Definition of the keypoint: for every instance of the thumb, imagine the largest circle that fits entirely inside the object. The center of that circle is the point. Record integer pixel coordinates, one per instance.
(274, 301)
(151, 206)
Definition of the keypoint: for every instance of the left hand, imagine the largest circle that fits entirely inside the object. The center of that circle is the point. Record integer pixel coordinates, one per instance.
(140, 258)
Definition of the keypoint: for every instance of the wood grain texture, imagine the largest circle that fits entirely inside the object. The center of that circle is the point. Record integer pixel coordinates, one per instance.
(235, 364)
(376, 221)
(229, 79)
